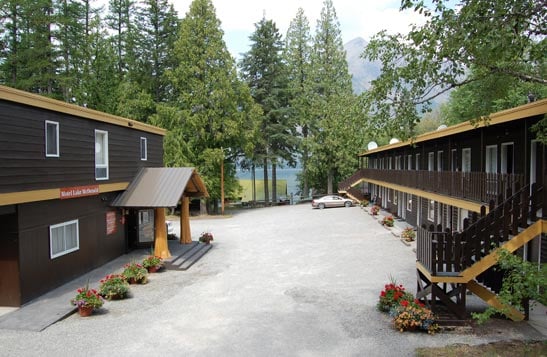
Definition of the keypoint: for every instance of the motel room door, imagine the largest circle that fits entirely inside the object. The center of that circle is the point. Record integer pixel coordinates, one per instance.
(10, 288)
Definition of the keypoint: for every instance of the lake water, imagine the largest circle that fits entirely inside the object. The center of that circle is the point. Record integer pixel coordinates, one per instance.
(288, 174)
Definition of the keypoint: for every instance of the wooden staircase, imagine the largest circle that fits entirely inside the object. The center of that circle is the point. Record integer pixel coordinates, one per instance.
(450, 263)
(347, 187)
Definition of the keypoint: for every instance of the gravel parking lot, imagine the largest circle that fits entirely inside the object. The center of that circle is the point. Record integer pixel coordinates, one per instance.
(280, 281)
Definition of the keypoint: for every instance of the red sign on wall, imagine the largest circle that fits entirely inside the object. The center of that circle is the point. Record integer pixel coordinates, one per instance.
(111, 225)
(78, 191)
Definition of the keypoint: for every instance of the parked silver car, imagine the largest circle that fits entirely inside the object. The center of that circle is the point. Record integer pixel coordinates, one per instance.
(331, 201)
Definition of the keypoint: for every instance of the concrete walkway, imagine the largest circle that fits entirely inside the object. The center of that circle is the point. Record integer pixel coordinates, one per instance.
(281, 281)
(49, 308)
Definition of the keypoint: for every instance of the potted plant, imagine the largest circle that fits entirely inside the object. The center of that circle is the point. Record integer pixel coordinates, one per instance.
(374, 210)
(408, 234)
(152, 263)
(388, 221)
(391, 295)
(114, 287)
(206, 237)
(87, 300)
(135, 273)
(412, 315)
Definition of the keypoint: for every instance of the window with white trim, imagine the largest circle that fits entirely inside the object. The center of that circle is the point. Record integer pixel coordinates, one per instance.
(144, 149)
(101, 155)
(63, 238)
(440, 161)
(431, 161)
(431, 211)
(52, 138)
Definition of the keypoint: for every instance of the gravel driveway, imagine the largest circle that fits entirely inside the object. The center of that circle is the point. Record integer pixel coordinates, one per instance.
(280, 281)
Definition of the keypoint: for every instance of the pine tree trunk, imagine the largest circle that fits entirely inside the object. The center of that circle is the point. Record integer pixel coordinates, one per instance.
(274, 183)
(330, 179)
(253, 182)
(266, 190)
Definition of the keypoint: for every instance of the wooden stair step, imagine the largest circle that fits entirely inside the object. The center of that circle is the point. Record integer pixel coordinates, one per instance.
(189, 258)
(194, 258)
(187, 254)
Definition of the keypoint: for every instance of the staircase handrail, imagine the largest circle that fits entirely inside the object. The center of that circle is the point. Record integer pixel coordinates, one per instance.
(449, 252)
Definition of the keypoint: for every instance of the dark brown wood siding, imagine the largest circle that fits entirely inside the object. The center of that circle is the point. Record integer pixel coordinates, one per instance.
(39, 273)
(412, 215)
(25, 166)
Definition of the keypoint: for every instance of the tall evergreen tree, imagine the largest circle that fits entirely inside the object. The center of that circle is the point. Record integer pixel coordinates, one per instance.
(120, 21)
(157, 28)
(265, 72)
(216, 115)
(29, 58)
(298, 58)
(333, 105)
(71, 39)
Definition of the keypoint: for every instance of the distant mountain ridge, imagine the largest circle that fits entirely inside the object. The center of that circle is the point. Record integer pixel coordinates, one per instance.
(363, 72)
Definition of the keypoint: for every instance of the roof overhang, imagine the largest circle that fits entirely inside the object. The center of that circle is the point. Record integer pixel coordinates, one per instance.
(517, 113)
(38, 101)
(161, 187)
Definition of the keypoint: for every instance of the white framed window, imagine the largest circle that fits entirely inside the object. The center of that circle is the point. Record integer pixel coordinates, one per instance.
(417, 167)
(63, 238)
(52, 138)
(431, 161)
(101, 155)
(466, 160)
(409, 203)
(409, 162)
(431, 211)
(144, 149)
(439, 160)
(491, 159)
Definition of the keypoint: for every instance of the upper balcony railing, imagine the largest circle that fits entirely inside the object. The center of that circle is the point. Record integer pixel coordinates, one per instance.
(474, 186)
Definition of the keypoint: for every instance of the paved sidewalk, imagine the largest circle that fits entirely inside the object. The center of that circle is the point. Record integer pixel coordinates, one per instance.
(49, 308)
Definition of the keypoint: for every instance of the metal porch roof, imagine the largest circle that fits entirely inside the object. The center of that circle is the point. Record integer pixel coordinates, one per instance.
(161, 187)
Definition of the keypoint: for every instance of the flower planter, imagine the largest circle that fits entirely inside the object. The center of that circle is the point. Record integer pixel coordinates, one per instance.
(153, 269)
(85, 311)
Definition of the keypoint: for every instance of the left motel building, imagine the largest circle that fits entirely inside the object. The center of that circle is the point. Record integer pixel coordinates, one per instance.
(61, 167)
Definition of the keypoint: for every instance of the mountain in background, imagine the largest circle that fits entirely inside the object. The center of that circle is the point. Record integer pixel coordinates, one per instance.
(362, 71)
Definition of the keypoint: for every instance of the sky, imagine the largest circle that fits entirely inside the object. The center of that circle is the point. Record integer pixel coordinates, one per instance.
(357, 18)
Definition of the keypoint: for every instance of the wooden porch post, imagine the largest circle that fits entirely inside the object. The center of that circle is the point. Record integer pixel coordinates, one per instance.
(185, 234)
(161, 248)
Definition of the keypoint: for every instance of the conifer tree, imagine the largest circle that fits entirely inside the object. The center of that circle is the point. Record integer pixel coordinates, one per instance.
(157, 28)
(298, 58)
(265, 72)
(333, 129)
(216, 115)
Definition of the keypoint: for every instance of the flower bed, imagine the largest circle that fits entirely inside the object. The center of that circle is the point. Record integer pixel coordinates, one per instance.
(135, 273)
(113, 287)
(408, 234)
(152, 263)
(388, 221)
(206, 237)
(408, 313)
